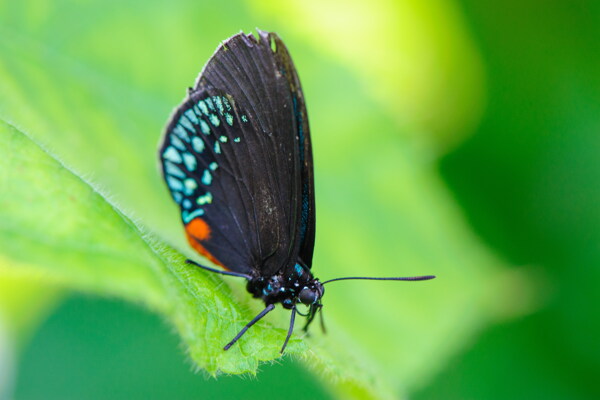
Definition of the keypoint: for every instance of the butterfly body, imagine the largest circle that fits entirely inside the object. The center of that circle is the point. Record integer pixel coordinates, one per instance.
(293, 286)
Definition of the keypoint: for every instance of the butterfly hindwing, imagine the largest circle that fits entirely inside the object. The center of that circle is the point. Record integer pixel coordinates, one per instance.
(234, 157)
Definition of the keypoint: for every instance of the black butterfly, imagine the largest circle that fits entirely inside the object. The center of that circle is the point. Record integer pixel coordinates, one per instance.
(237, 159)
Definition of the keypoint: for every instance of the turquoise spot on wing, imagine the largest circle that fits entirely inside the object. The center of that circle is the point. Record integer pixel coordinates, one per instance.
(237, 140)
(203, 107)
(198, 144)
(206, 177)
(187, 216)
(186, 123)
(214, 120)
(210, 104)
(172, 169)
(177, 197)
(244, 118)
(174, 184)
(187, 204)
(226, 103)
(299, 269)
(229, 119)
(219, 104)
(217, 148)
(204, 127)
(189, 161)
(213, 165)
(175, 141)
(189, 186)
(205, 199)
(223, 139)
(191, 116)
(172, 154)
(179, 131)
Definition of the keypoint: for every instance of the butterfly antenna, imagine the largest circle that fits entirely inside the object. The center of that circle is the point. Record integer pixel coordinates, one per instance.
(407, 278)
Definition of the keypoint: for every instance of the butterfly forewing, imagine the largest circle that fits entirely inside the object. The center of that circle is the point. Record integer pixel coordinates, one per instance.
(307, 222)
(236, 158)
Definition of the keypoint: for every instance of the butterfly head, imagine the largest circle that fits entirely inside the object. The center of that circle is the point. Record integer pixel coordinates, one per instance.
(311, 294)
(294, 287)
(306, 289)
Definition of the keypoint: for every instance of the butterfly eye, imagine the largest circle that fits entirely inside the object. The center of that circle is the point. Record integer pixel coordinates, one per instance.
(307, 296)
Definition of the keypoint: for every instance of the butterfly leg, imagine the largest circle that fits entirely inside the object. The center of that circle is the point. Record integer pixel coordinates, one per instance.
(249, 324)
(314, 309)
(290, 330)
(321, 319)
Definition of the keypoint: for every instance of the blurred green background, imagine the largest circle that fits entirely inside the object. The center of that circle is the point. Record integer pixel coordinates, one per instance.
(451, 137)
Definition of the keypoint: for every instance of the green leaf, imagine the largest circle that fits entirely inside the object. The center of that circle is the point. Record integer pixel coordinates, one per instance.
(59, 229)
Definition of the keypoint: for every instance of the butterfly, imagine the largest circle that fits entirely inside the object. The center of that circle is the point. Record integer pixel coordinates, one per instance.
(237, 158)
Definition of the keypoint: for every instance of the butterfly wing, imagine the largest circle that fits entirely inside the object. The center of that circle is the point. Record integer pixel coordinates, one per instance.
(307, 221)
(234, 161)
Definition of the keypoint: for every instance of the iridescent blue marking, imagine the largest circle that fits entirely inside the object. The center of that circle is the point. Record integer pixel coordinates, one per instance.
(198, 144)
(213, 165)
(299, 269)
(219, 104)
(182, 133)
(189, 161)
(174, 184)
(187, 217)
(177, 197)
(172, 154)
(210, 104)
(229, 119)
(186, 123)
(214, 120)
(304, 212)
(187, 204)
(175, 141)
(189, 186)
(244, 118)
(191, 116)
(269, 289)
(237, 140)
(207, 198)
(203, 107)
(217, 148)
(204, 127)
(206, 177)
(223, 139)
(172, 169)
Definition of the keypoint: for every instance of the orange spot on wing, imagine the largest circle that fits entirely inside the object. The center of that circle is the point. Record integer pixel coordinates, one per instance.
(196, 231)
(198, 228)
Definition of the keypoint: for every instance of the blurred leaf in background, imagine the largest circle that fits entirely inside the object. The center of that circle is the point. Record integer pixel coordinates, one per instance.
(529, 181)
(414, 59)
(389, 86)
